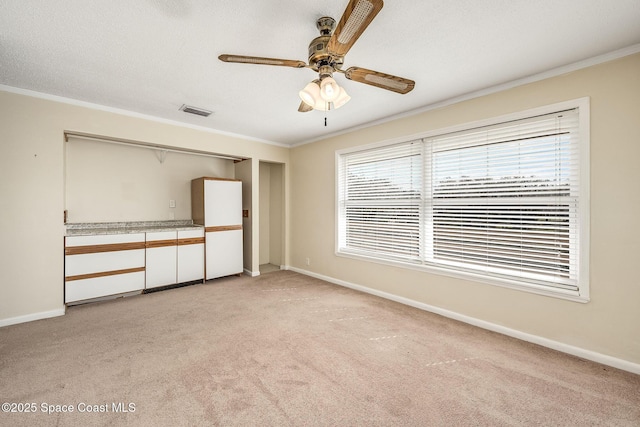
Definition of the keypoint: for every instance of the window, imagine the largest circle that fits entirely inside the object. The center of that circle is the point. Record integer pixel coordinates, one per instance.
(503, 202)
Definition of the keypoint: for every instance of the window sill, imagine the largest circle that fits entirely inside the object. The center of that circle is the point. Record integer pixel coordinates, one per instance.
(504, 283)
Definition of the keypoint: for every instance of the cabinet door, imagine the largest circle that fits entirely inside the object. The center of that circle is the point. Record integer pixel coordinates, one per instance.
(162, 253)
(224, 253)
(222, 203)
(190, 255)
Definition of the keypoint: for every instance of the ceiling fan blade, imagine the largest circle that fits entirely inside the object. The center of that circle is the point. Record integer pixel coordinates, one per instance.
(304, 107)
(241, 59)
(356, 18)
(381, 80)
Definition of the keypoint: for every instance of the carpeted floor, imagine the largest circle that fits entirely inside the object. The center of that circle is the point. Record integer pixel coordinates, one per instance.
(284, 349)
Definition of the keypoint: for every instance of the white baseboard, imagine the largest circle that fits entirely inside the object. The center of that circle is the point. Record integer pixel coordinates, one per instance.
(251, 273)
(31, 317)
(545, 342)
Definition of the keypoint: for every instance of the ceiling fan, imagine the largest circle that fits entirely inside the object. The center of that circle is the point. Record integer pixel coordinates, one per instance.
(326, 56)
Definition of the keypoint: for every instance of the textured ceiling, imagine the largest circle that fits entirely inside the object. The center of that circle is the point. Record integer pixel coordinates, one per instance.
(152, 56)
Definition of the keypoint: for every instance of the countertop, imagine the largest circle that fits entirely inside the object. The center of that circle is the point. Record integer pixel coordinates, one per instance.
(98, 228)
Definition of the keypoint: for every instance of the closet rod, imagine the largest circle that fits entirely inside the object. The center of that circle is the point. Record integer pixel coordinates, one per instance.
(121, 141)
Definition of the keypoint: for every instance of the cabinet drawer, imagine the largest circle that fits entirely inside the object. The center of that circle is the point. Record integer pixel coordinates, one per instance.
(78, 290)
(191, 234)
(103, 239)
(161, 239)
(161, 235)
(102, 261)
(191, 237)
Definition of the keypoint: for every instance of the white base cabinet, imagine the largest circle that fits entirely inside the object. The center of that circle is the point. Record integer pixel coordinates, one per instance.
(97, 266)
(102, 265)
(174, 257)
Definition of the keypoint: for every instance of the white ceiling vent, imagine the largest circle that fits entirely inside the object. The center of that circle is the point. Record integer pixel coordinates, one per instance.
(195, 110)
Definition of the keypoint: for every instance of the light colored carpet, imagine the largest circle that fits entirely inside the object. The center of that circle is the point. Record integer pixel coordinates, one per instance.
(284, 349)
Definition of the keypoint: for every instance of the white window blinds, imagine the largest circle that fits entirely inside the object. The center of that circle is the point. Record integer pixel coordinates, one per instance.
(500, 201)
(504, 199)
(380, 198)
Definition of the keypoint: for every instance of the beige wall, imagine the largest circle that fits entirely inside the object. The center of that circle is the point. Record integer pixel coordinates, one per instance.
(32, 189)
(110, 182)
(610, 323)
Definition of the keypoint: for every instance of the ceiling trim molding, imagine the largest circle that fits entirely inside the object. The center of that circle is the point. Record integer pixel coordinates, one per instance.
(596, 60)
(128, 113)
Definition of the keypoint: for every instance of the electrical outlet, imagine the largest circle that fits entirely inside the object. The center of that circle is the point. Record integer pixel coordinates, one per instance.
(172, 203)
(308, 261)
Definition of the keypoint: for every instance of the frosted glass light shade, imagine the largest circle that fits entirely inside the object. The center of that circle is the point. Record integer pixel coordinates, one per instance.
(329, 89)
(322, 105)
(342, 99)
(310, 94)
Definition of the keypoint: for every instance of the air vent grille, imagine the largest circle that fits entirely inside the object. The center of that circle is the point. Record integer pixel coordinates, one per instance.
(195, 110)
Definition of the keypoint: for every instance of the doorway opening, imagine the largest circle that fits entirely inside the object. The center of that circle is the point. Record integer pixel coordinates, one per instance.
(271, 225)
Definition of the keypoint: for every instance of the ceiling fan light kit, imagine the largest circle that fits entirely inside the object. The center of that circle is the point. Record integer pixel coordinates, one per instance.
(313, 97)
(326, 56)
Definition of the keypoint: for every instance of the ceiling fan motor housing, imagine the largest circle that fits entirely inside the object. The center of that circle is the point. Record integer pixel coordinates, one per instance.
(318, 53)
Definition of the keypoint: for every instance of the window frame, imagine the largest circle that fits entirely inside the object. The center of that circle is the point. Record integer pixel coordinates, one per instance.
(582, 294)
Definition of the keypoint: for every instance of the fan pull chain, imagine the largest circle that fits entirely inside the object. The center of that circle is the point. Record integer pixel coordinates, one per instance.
(325, 114)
